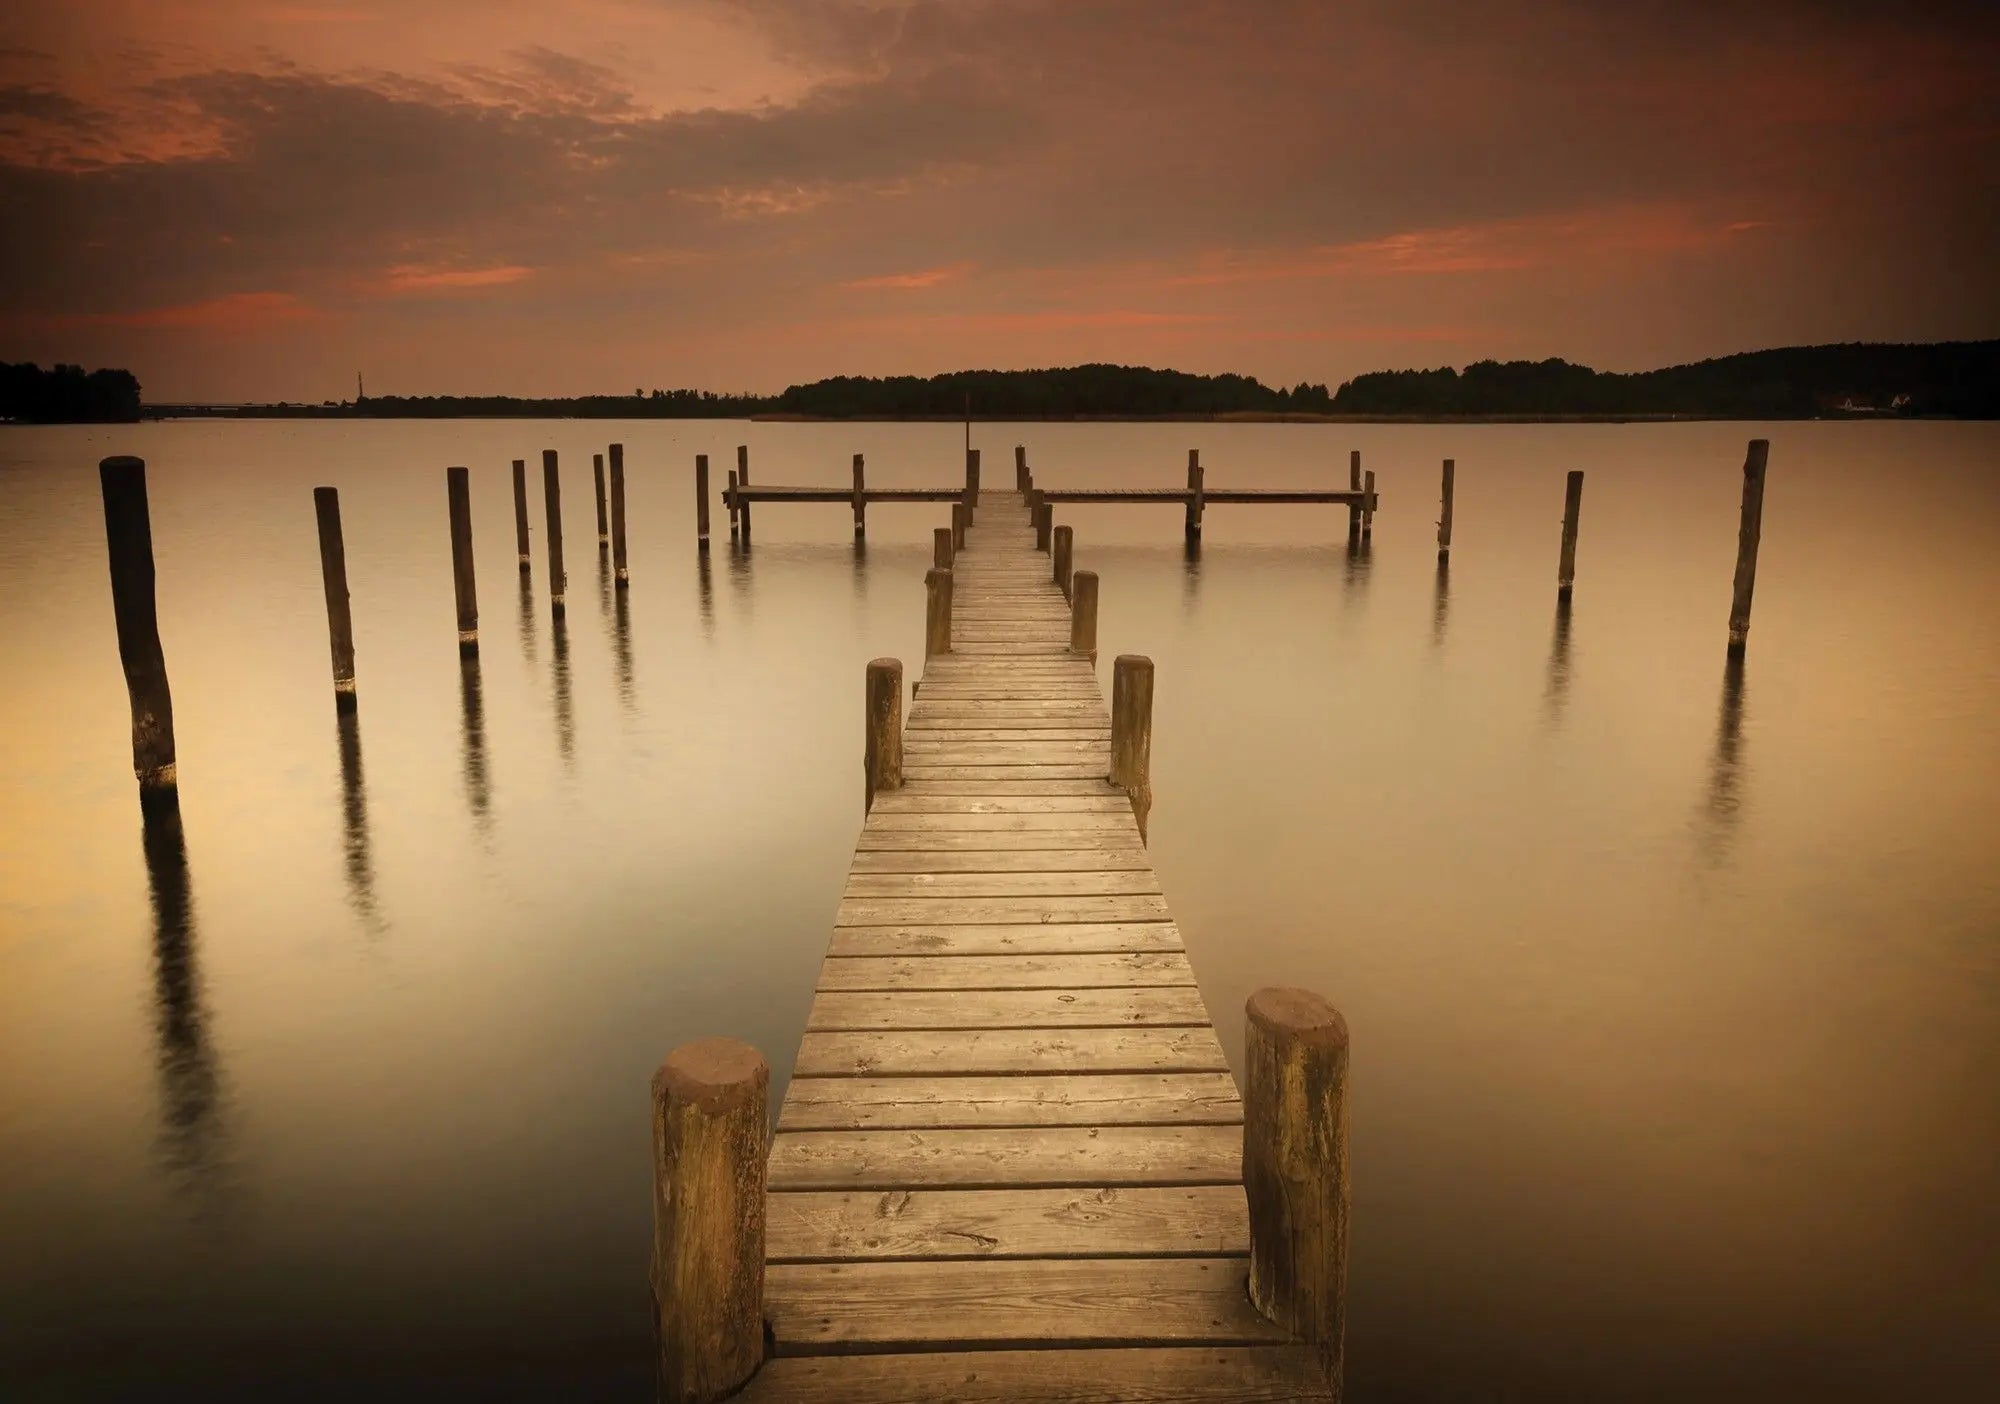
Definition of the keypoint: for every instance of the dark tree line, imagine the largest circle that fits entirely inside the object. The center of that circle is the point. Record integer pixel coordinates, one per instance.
(67, 395)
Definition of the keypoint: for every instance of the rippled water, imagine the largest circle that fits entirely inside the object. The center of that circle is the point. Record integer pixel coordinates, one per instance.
(1673, 987)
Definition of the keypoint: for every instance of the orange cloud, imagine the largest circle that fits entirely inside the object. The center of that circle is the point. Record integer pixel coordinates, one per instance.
(233, 313)
(419, 278)
(927, 278)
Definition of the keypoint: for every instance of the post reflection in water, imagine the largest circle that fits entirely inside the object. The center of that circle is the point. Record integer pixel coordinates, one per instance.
(527, 617)
(860, 576)
(1722, 808)
(478, 792)
(354, 812)
(1555, 694)
(621, 647)
(565, 715)
(603, 582)
(705, 589)
(739, 572)
(1440, 603)
(1354, 575)
(1190, 574)
(191, 1090)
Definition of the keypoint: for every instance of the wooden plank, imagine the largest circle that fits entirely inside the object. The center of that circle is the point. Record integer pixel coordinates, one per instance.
(1155, 1222)
(1206, 1375)
(1007, 1009)
(1015, 753)
(834, 1307)
(985, 861)
(997, 911)
(1106, 819)
(876, 840)
(1110, 801)
(1000, 772)
(1089, 786)
(1005, 972)
(1054, 1155)
(912, 1052)
(926, 1103)
(975, 734)
(1073, 938)
(1119, 882)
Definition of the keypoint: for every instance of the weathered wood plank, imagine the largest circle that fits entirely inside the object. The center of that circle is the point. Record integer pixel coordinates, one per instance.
(1154, 1222)
(997, 911)
(898, 1103)
(1007, 1009)
(1112, 801)
(940, 736)
(1001, 772)
(1108, 819)
(1005, 972)
(1119, 882)
(1074, 938)
(1091, 1301)
(959, 753)
(1090, 786)
(914, 1052)
(1082, 861)
(1206, 1375)
(876, 840)
(1054, 1155)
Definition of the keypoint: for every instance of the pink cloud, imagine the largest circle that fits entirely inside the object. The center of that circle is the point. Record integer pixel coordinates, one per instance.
(412, 278)
(230, 314)
(926, 278)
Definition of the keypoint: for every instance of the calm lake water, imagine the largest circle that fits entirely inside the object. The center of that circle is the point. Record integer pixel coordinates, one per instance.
(1673, 990)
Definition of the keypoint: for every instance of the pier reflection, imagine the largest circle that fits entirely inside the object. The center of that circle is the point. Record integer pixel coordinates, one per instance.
(564, 712)
(472, 714)
(1440, 601)
(1190, 574)
(1354, 573)
(621, 648)
(357, 857)
(704, 584)
(1555, 692)
(527, 617)
(1722, 807)
(190, 1087)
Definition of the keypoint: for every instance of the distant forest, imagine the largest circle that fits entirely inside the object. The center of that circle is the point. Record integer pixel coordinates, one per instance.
(68, 395)
(1956, 378)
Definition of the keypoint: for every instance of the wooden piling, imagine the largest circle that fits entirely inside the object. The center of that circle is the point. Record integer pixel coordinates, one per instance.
(1444, 514)
(971, 486)
(1295, 1167)
(941, 549)
(1192, 530)
(1368, 504)
(458, 489)
(1749, 531)
(333, 575)
(860, 501)
(729, 501)
(128, 539)
(1132, 732)
(552, 511)
(743, 481)
(1065, 543)
(1354, 485)
(701, 501)
(521, 512)
(621, 575)
(1045, 521)
(1572, 504)
(603, 525)
(1083, 614)
(883, 762)
(710, 1114)
(937, 611)
(1021, 468)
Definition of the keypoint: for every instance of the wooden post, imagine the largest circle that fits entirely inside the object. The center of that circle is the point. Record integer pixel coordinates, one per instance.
(1295, 1167)
(860, 501)
(1065, 542)
(1132, 732)
(971, 486)
(1368, 504)
(603, 525)
(882, 765)
(333, 574)
(128, 538)
(521, 512)
(1194, 505)
(701, 501)
(941, 552)
(458, 489)
(710, 1111)
(1572, 503)
(1749, 531)
(1021, 468)
(729, 501)
(743, 481)
(1045, 521)
(937, 611)
(1444, 514)
(620, 574)
(1354, 485)
(552, 510)
(1083, 614)
(958, 515)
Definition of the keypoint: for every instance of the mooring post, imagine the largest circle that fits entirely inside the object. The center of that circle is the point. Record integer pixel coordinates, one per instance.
(333, 574)
(1353, 485)
(1083, 614)
(958, 515)
(1132, 732)
(1194, 503)
(521, 512)
(937, 611)
(1444, 515)
(743, 481)
(701, 502)
(128, 538)
(883, 762)
(1748, 532)
(1295, 1167)
(552, 511)
(971, 486)
(941, 552)
(1021, 468)
(620, 573)
(1065, 543)
(1368, 504)
(603, 524)
(1045, 521)
(860, 501)
(1572, 504)
(458, 489)
(729, 501)
(710, 1110)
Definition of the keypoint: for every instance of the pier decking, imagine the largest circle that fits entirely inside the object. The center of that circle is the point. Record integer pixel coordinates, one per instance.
(1009, 1165)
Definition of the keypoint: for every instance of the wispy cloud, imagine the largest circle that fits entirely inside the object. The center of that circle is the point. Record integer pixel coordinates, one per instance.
(924, 278)
(233, 313)
(417, 279)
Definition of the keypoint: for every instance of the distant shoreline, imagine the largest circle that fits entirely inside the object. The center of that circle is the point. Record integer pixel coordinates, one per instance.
(167, 414)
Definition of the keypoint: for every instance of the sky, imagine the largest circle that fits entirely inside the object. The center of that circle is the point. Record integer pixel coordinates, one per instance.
(255, 199)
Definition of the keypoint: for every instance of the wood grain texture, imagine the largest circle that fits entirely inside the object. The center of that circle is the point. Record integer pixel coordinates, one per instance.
(1052, 1156)
(1005, 972)
(1126, 1099)
(1213, 1375)
(1146, 1221)
(959, 1051)
(1072, 938)
(1006, 1009)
